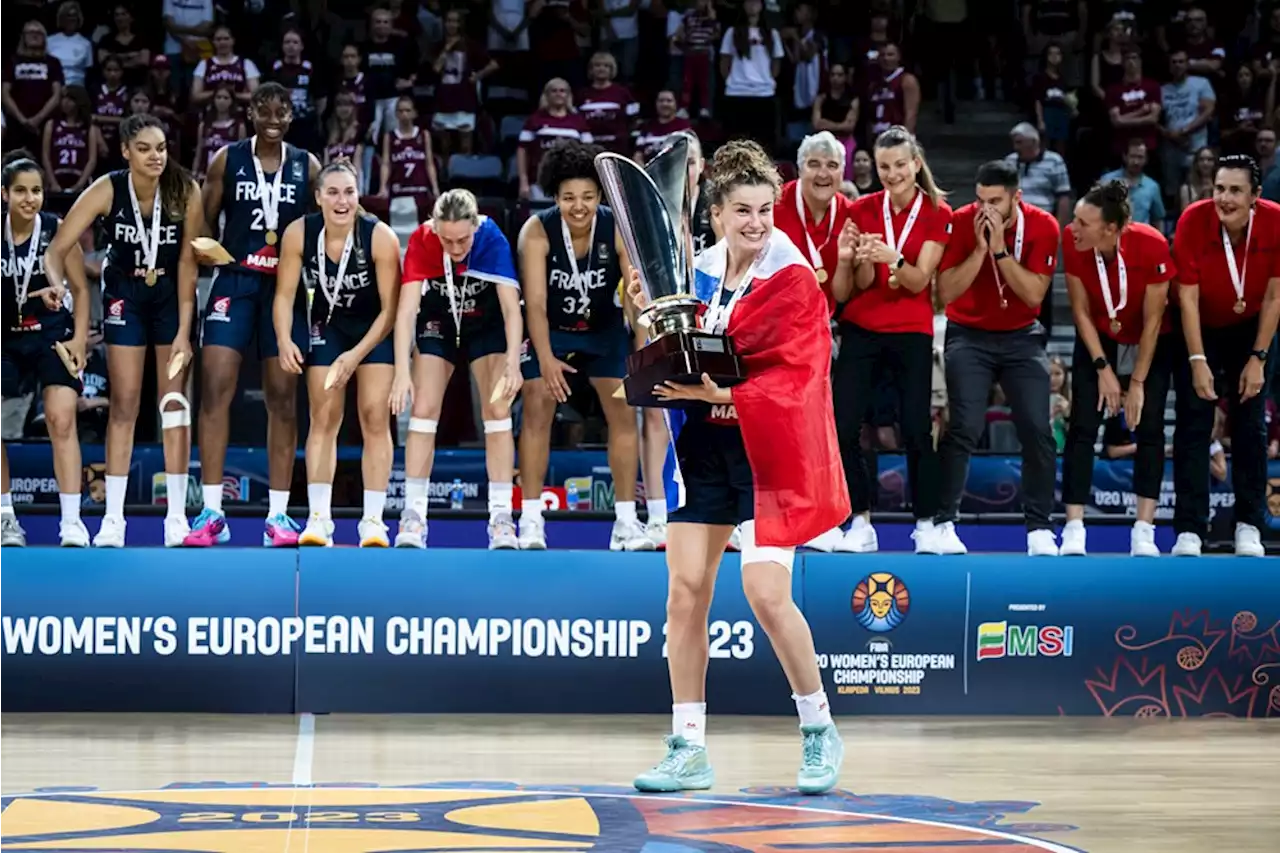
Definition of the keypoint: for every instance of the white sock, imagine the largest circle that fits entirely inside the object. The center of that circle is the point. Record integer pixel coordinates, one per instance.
(374, 503)
(624, 510)
(116, 487)
(212, 497)
(175, 486)
(689, 721)
(319, 497)
(657, 508)
(70, 506)
(6, 503)
(500, 499)
(1074, 524)
(531, 509)
(278, 502)
(814, 709)
(415, 494)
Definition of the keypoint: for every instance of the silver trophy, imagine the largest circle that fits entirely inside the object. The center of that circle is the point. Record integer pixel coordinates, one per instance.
(653, 206)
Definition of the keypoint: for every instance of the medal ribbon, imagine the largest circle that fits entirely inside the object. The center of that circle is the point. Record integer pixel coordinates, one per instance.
(322, 266)
(22, 277)
(1113, 309)
(716, 320)
(579, 281)
(1018, 234)
(1237, 273)
(814, 255)
(269, 195)
(151, 239)
(906, 228)
(455, 298)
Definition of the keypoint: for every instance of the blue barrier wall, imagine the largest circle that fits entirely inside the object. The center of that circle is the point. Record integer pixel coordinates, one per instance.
(582, 632)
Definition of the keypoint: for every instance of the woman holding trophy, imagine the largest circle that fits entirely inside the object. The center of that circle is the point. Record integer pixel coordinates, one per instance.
(762, 454)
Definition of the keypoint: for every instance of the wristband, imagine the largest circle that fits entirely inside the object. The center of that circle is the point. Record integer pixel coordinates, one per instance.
(1197, 357)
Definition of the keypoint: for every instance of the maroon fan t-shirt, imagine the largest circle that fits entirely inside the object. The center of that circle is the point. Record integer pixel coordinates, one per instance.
(655, 135)
(543, 130)
(1129, 98)
(609, 112)
(32, 79)
(456, 93)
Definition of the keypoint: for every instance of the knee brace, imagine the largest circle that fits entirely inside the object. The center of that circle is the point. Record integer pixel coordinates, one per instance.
(503, 425)
(753, 553)
(179, 417)
(426, 426)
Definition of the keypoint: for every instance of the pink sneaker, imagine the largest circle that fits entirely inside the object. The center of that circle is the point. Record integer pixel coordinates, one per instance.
(209, 529)
(281, 531)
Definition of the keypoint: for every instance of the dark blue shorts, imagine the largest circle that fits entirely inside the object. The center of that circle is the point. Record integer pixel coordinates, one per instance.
(134, 315)
(239, 309)
(595, 355)
(718, 485)
(329, 343)
(29, 361)
(439, 339)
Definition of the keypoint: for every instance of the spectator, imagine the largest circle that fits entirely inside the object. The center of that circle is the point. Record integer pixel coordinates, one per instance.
(167, 102)
(1042, 175)
(894, 97)
(835, 110)
(188, 26)
(1199, 182)
(1062, 21)
(655, 134)
(1052, 99)
(224, 68)
(1145, 202)
(620, 35)
(555, 120)
(1134, 106)
(109, 106)
(608, 107)
(1264, 151)
(1266, 53)
(461, 66)
(1205, 56)
(306, 90)
(69, 47)
(1107, 66)
(750, 58)
(408, 164)
(948, 49)
(509, 26)
(806, 48)
(71, 144)
(866, 59)
(32, 89)
(695, 41)
(344, 136)
(864, 180)
(220, 125)
(556, 31)
(1188, 105)
(1059, 400)
(127, 46)
(1243, 109)
(389, 71)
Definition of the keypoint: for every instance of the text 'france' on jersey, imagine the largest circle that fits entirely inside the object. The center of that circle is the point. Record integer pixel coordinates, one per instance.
(125, 264)
(589, 299)
(245, 232)
(357, 303)
(476, 280)
(13, 266)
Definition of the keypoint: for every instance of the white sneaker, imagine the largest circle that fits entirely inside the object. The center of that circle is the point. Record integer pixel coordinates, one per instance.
(657, 533)
(1249, 541)
(1073, 540)
(11, 533)
(826, 542)
(735, 540)
(860, 538)
(372, 533)
(317, 534)
(629, 536)
(111, 533)
(1142, 540)
(533, 533)
(502, 533)
(413, 531)
(926, 537)
(946, 540)
(1188, 545)
(1041, 543)
(73, 534)
(176, 531)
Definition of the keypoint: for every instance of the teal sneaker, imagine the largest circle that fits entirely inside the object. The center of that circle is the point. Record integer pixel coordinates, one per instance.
(686, 768)
(823, 755)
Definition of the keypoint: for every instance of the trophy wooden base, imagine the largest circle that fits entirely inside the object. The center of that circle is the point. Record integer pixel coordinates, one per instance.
(680, 357)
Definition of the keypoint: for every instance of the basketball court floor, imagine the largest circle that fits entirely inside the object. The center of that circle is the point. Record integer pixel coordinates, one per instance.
(504, 784)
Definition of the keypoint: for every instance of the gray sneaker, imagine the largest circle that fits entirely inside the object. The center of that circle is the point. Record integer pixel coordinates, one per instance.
(11, 533)
(502, 533)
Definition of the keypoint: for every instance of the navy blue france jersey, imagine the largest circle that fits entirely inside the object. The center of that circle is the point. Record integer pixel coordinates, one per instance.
(125, 262)
(587, 300)
(357, 304)
(245, 231)
(34, 315)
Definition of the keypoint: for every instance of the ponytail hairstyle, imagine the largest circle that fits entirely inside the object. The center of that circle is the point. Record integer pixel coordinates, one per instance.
(342, 164)
(456, 205)
(741, 162)
(899, 135)
(1245, 164)
(175, 182)
(1112, 198)
(20, 162)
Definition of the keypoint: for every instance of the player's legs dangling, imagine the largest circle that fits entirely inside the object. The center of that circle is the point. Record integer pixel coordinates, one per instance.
(431, 375)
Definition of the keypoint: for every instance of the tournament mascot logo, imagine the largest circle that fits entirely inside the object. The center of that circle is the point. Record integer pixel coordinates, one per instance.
(880, 602)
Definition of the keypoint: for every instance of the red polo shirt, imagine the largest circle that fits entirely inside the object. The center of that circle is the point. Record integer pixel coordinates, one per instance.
(979, 306)
(1201, 258)
(1147, 259)
(825, 232)
(881, 308)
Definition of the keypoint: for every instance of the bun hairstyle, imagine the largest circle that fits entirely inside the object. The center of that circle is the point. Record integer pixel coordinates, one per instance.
(899, 135)
(739, 163)
(568, 160)
(1244, 163)
(20, 162)
(1112, 198)
(175, 182)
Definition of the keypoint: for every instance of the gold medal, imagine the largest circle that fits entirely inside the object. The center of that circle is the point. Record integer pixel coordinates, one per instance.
(1004, 303)
(822, 276)
(893, 281)
(1239, 306)
(271, 238)
(151, 278)
(1115, 327)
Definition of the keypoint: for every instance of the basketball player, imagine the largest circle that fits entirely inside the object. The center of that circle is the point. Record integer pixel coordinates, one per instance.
(460, 298)
(894, 94)
(258, 187)
(1118, 275)
(726, 453)
(151, 209)
(571, 259)
(36, 320)
(1227, 251)
(408, 166)
(350, 263)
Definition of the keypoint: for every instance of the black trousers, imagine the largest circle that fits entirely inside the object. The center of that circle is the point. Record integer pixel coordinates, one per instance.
(975, 360)
(1226, 349)
(908, 360)
(1082, 433)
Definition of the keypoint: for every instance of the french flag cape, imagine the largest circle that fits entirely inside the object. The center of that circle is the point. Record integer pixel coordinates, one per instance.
(490, 259)
(781, 332)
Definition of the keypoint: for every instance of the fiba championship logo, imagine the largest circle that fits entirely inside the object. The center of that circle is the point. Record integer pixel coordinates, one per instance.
(880, 602)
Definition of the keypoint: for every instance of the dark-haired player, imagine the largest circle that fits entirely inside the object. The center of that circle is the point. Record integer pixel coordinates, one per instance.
(150, 211)
(258, 186)
(571, 261)
(992, 278)
(1228, 253)
(36, 320)
(1118, 274)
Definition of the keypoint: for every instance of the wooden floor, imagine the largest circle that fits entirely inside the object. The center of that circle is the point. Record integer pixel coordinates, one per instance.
(1104, 786)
